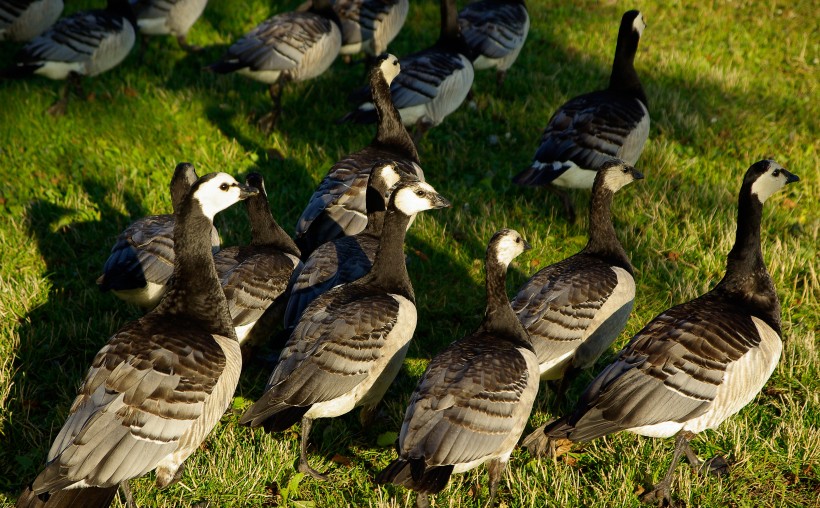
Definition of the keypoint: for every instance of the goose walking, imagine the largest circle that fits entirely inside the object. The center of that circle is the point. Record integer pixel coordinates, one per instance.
(337, 208)
(593, 128)
(698, 363)
(86, 43)
(160, 384)
(574, 309)
(370, 25)
(169, 17)
(22, 20)
(473, 401)
(351, 341)
(293, 46)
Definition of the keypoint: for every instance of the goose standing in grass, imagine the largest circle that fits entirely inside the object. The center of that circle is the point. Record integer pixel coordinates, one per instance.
(351, 341)
(255, 277)
(574, 309)
(86, 43)
(293, 46)
(593, 128)
(164, 17)
(370, 25)
(698, 363)
(337, 208)
(473, 401)
(141, 262)
(22, 20)
(496, 31)
(160, 384)
(433, 82)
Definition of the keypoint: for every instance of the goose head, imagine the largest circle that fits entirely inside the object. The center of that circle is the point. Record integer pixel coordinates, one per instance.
(766, 177)
(506, 245)
(412, 197)
(388, 66)
(383, 177)
(215, 192)
(615, 174)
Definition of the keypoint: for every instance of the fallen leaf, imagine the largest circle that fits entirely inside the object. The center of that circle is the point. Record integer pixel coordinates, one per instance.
(639, 490)
(421, 255)
(341, 459)
(570, 460)
(672, 255)
(560, 446)
(535, 262)
(788, 204)
(130, 92)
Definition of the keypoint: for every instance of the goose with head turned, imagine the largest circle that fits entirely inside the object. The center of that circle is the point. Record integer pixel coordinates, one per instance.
(160, 384)
(22, 20)
(350, 343)
(169, 17)
(593, 128)
(473, 401)
(697, 363)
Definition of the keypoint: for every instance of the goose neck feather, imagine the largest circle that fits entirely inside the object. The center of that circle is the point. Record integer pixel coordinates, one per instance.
(391, 132)
(389, 271)
(264, 228)
(623, 77)
(499, 318)
(603, 242)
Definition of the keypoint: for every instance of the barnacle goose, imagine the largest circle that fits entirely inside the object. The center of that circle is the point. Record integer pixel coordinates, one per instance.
(574, 309)
(433, 82)
(141, 262)
(255, 277)
(370, 25)
(293, 46)
(160, 384)
(473, 401)
(337, 208)
(174, 17)
(22, 20)
(496, 31)
(591, 129)
(698, 363)
(351, 341)
(86, 43)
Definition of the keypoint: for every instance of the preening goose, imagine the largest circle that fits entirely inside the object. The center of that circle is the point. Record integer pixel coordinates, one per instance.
(473, 401)
(593, 128)
(370, 25)
(337, 208)
(433, 82)
(86, 43)
(698, 363)
(160, 384)
(256, 276)
(496, 31)
(351, 341)
(141, 262)
(574, 309)
(22, 20)
(293, 46)
(164, 17)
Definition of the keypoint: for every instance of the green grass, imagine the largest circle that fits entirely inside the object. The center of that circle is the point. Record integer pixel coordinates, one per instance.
(729, 83)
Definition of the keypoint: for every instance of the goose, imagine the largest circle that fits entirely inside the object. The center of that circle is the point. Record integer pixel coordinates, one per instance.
(370, 25)
(574, 309)
(174, 17)
(141, 262)
(473, 401)
(697, 363)
(293, 46)
(433, 83)
(496, 31)
(351, 341)
(593, 128)
(337, 208)
(86, 43)
(22, 20)
(255, 277)
(344, 259)
(160, 384)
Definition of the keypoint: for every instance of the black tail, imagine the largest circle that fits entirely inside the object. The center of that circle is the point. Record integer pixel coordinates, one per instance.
(273, 417)
(91, 497)
(359, 115)
(19, 71)
(226, 66)
(413, 475)
(535, 176)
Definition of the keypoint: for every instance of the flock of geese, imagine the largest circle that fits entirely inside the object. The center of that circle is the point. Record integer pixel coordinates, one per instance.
(341, 288)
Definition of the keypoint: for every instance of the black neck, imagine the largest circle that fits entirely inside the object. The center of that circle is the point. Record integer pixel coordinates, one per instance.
(375, 223)
(264, 229)
(499, 317)
(449, 21)
(623, 77)
(324, 8)
(391, 131)
(602, 239)
(389, 271)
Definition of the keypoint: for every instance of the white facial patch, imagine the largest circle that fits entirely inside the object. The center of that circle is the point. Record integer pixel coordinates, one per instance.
(638, 24)
(217, 194)
(390, 68)
(509, 247)
(767, 183)
(415, 198)
(615, 178)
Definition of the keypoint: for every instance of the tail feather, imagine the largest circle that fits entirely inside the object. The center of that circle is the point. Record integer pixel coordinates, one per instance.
(273, 417)
(19, 71)
(538, 175)
(226, 66)
(415, 476)
(91, 497)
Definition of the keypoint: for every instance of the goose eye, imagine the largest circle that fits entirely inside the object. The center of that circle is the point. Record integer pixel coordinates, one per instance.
(419, 193)
(776, 172)
(224, 187)
(518, 240)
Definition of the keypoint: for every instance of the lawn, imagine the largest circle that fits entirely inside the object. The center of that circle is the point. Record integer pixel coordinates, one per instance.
(729, 83)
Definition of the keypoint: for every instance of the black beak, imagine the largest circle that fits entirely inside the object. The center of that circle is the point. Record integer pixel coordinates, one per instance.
(790, 177)
(246, 191)
(440, 202)
(637, 175)
(527, 245)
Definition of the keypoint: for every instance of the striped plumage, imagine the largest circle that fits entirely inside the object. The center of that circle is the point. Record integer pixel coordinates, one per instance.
(160, 384)
(351, 341)
(473, 401)
(698, 363)
(163, 17)
(22, 20)
(370, 25)
(337, 208)
(496, 31)
(141, 262)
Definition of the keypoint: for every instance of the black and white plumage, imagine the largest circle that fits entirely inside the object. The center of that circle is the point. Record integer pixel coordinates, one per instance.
(593, 128)
(160, 384)
(169, 17)
(255, 277)
(141, 262)
(473, 401)
(370, 25)
(351, 341)
(337, 208)
(433, 83)
(496, 31)
(22, 20)
(574, 309)
(698, 363)
(293, 46)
